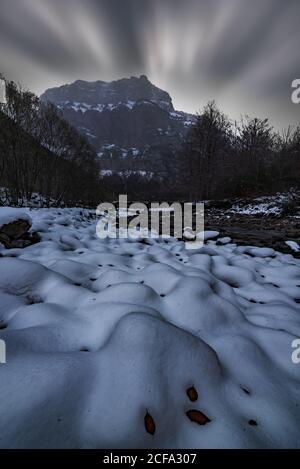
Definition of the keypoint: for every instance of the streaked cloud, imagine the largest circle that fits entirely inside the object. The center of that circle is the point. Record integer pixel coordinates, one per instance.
(243, 54)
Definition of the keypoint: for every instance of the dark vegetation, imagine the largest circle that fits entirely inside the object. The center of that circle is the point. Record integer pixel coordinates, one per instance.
(249, 158)
(41, 153)
(221, 159)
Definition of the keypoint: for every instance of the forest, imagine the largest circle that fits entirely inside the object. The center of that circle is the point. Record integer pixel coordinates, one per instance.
(246, 158)
(43, 156)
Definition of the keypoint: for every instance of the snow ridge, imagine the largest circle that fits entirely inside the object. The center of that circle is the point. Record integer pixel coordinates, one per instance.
(99, 332)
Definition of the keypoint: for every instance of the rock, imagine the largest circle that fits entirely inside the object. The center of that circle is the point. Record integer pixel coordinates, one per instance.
(33, 237)
(4, 239)
(16, 229)
(20, 243)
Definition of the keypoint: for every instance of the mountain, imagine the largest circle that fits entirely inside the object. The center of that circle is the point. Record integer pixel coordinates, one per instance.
(131, 122)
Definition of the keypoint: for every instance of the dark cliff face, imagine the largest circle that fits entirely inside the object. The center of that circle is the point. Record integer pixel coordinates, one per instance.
(125, 90)
(128, 117)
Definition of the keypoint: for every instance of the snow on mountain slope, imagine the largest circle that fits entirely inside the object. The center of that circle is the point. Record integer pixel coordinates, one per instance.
(130, 90)
(122, 115)
(99, 333)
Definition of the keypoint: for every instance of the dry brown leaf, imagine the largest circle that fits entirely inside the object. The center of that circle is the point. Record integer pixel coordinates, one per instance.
(192, 394)
(149, 423)
(198, 417)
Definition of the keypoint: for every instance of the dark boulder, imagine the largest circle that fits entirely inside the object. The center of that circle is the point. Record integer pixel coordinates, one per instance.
(15, 229)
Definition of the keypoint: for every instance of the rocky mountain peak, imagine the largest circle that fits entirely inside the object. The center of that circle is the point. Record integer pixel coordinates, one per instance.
(130, 122)
(126, 90)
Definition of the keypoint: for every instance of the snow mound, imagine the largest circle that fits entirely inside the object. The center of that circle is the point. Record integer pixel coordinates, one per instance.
(293, 245)
(11, 215)
(209, 235)
(100, 333)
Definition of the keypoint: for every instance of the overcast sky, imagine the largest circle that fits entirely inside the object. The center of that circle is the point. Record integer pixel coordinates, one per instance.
(242, 53)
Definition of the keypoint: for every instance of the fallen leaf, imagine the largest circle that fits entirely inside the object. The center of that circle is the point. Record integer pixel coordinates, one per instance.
(149, 423)
(198, 417)
(192, 394)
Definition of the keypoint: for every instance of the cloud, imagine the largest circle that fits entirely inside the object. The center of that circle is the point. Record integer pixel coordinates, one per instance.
(243, 54)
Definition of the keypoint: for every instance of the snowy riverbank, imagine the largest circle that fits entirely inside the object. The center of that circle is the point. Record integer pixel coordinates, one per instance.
(100, 333)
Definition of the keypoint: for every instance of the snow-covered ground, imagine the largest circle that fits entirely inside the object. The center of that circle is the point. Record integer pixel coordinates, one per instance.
(263, 208)
(35, 201)
(101, 333)
(265, 205)
(11, 214)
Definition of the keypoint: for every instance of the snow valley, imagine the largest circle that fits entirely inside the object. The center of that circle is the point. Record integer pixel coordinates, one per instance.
(122, 343)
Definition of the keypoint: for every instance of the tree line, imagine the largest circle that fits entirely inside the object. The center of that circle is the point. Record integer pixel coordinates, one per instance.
(41, 153)
(223, 159)
(220, 159)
